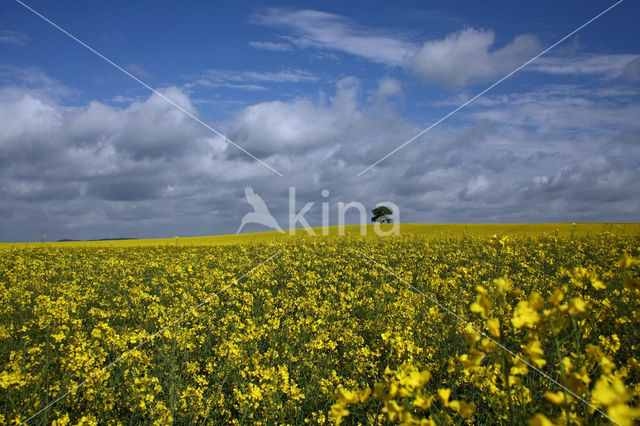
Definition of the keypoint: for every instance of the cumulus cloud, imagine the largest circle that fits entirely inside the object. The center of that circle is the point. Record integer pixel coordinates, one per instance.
(459, 58)
(500, 161)
(305, 124)
(142, 168)
(388, 88)
(475, 187)
(629, 136)
(152, 128)
(465, 57)
(96, 157)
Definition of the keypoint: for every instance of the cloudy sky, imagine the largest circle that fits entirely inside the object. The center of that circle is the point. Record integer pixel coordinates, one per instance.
(317, 91)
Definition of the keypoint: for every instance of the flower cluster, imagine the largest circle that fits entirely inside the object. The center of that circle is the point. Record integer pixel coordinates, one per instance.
(320, 334)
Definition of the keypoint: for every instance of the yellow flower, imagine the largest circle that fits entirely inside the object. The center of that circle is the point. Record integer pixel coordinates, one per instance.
(464, 410)
(556, 398)
(609, 390)
(597, 283)
(627, 261)
(59, 337)
(577, 306)
(423, 401)
(416, 379)
(313, 320)
(540, 420)
(471, 336)
(364, 395)
(493, 324)
(536, 301)
(558, 295)
(524, 315)
(534, 350)
(392, 409)
(482, 305)
(502, 285)
(62, 421)
(624, 414)
(472, 359)
(567, 364)
(578, 275)
(443, 395)
(344, 395)
(487, 344)
(338, 412)
(519, 368)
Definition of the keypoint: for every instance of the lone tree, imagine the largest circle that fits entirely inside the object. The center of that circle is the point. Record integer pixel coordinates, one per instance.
(381, 212)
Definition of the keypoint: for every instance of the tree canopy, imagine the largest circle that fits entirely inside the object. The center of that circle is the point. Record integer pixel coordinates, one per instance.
(380, 211)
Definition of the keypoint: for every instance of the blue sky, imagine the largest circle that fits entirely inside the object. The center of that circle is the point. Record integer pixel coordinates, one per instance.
(319, 91)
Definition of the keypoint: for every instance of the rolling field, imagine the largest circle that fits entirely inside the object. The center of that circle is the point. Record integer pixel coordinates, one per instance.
(444, 324)
(519, 230)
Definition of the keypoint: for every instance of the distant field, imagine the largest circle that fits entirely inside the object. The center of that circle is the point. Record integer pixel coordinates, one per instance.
(421, 229)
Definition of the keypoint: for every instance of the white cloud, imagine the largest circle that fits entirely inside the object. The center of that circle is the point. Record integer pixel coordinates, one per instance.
(589, 64)
(459, 58)
(271, 45)
(213, 84)
(313, 28)
(141, 168)
(249, 80)
(551, 111)
(124, 99)
(301, 124)
(14, 37)
(475, 187)
(25, 115)
(92, 170)
(284, 76)
(389, 87)
(631, 71)
(33, 80)
(465, 57)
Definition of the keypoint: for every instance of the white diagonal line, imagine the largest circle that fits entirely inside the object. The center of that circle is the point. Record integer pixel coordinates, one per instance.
(449, 311)
(491, 87)
(149, 87)
(144, 342)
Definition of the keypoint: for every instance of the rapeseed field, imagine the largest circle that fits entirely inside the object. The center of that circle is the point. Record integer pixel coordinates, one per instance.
(466, 326)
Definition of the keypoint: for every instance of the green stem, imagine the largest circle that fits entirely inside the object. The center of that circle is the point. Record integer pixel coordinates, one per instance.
(578, 342)
(564, 376)
(506, 374)
(508, 385)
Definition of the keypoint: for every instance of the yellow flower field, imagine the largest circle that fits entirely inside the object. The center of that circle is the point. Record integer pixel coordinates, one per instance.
(463, 327)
